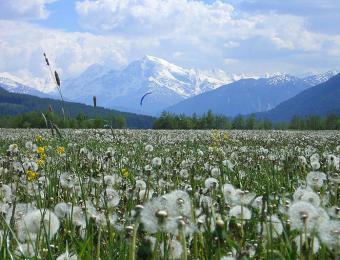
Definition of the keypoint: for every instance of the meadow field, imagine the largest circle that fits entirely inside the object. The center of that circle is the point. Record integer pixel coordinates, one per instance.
(147, 194)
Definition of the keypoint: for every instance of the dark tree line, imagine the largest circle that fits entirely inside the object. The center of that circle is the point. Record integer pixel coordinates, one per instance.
(37, 120)
(170, 121)
(211, 121)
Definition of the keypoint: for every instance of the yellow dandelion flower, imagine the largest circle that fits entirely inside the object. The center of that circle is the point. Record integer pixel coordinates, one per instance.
(41, 150)
(60, 150)
(226, 136)
(43, 156)
(40, 162)
(125, 172)
(31, 175)
(39, 138)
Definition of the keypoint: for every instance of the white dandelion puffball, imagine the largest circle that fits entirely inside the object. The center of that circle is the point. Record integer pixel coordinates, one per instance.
(315, 179)
(229, 192)
(240, 212)
(140, 185)
(174, 204)
(110, 180)
(5, 193)
(273, 226)
(229, 165)
(156, 162)
(175, 249)
(211, 183)
(315, 165)
(243, 197)
(302, 240)
(67, 180)
(184, 173)
(62, 210)
(148, 148)
(311, 197)
(109, 198)
(67, 256)
(215, 172)
(303, 214)
(329, 233)
(38, 222)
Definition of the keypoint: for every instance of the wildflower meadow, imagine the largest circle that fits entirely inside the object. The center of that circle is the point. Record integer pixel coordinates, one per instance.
(153, 194)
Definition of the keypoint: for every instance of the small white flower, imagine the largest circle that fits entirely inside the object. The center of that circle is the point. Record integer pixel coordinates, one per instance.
(13, 148)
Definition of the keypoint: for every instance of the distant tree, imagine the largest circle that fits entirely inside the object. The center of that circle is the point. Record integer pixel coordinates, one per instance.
(251, 122)
(331, 122)
(297, 123)
(121, 122)
(238, 122)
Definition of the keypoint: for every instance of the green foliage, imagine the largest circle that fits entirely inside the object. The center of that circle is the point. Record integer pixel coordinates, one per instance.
(13, 104)
(211, 121)
(36, 120)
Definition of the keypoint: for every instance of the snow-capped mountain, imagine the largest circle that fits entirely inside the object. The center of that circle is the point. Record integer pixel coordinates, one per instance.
(123, 89)
(14, 84)
(245, 96)
(317, 79)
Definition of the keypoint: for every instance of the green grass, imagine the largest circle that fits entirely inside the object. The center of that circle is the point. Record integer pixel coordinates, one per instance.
(265, 164)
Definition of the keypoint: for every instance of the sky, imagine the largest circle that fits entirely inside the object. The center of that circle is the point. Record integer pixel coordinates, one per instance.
(237, 36)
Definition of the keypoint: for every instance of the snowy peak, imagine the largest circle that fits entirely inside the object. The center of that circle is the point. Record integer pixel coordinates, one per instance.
(14, 84)
(317, 79)
(281, 79)
(10, 80)
(161, 73)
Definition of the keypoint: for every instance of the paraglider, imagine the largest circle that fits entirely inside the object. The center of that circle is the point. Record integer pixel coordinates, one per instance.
(141, 100)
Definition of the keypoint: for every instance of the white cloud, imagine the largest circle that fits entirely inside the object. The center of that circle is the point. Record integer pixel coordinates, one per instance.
(22, 46)
(186, 32)
(24, 9)
(204, 29)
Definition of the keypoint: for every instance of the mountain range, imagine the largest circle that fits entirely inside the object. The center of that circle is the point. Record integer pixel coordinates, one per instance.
(248, 96)
(173, 88)
(124, 88)
(16, 85)
(320, 100)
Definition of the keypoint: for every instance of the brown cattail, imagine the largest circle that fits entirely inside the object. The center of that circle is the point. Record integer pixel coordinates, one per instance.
(57, 79)
(47, 62)
(94, 101)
